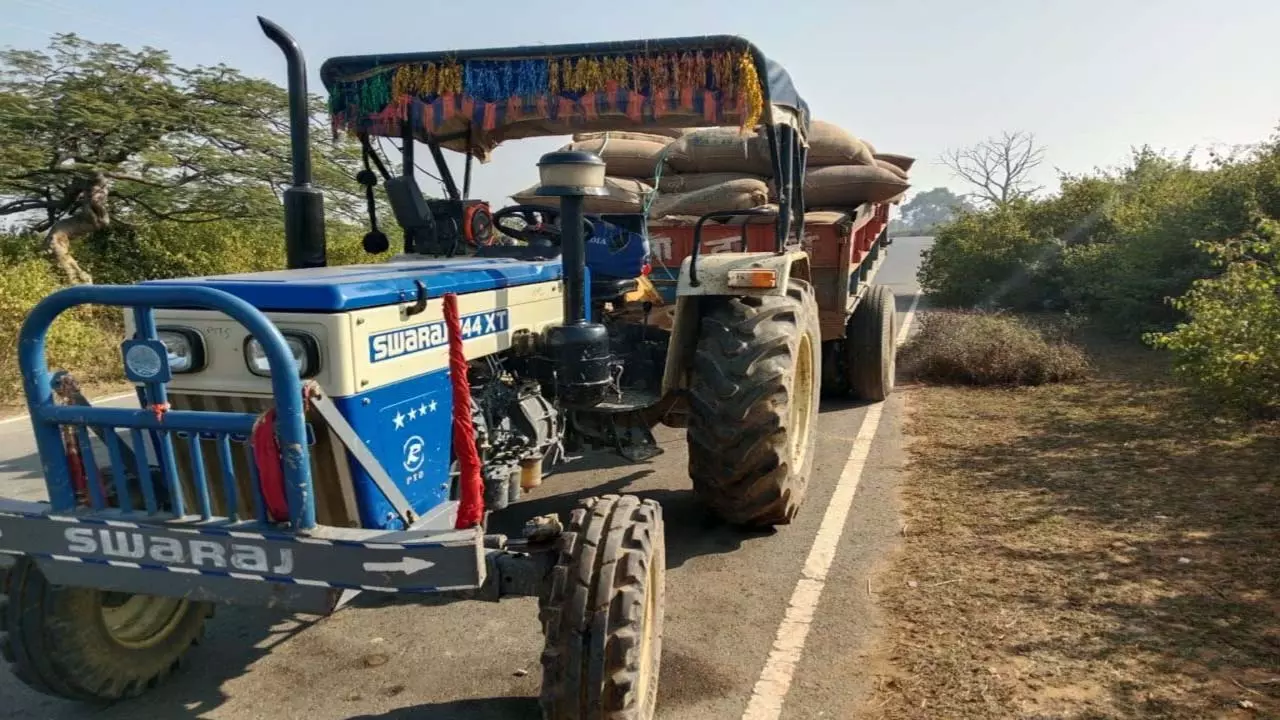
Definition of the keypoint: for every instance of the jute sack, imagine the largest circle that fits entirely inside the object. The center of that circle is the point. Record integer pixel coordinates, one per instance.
(850, 185)
(830, 144)
(675, 183)
(625, 196)
(623, 135)
(721, 150)
(892, 168)
(900, 161)
(671, 132)
(624, 157)
(740, 194)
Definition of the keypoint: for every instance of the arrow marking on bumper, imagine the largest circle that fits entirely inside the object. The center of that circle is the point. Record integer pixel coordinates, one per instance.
(408, 566)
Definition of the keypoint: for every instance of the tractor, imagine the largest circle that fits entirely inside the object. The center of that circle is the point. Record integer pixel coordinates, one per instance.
(309, 434)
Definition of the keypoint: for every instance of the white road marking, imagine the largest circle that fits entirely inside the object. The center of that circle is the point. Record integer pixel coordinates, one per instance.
(788, 645)
(907, 318)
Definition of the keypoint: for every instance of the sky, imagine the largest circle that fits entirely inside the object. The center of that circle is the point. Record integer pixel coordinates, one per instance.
(1091, 79)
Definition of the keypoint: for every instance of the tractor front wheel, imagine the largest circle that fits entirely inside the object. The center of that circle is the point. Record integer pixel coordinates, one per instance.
(602, 612)
(753, 403)
(92, 645)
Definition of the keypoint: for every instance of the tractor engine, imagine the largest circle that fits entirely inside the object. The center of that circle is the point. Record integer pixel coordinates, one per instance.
(516, 427)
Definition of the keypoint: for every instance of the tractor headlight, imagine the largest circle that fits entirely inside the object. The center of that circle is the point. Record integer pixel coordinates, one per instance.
(305, 349)
(185, 348)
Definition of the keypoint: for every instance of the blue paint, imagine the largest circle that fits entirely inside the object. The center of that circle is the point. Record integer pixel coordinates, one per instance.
(408, 427)
(46, 415)
(665, 280)
(615, 252)
(352, 287)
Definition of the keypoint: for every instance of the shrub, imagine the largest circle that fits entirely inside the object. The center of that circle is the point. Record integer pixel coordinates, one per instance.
(986, 258)
(1229, 348)
(83, 339)
(86, 340)
(981, 348)
(171, 250)
(1115, 245)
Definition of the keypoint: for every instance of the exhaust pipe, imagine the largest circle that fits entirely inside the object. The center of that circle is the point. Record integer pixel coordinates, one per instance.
(303, 204)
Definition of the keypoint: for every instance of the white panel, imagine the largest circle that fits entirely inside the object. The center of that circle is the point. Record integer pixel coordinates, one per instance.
(344, 339)
(381, 357)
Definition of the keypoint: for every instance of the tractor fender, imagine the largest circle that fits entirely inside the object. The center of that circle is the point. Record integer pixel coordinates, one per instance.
(713, 281)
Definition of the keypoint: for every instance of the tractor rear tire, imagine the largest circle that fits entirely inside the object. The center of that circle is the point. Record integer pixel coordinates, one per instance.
(870, 352)
(91, 645)
(602, 612)
(753, 403)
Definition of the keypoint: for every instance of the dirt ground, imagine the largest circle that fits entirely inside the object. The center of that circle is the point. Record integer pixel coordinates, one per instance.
(1100, 550)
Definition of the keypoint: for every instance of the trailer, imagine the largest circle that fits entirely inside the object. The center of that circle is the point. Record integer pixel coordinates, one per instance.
(845, 249)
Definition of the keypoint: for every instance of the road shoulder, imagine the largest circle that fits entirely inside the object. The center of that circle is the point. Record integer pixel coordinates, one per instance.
(1094, 550)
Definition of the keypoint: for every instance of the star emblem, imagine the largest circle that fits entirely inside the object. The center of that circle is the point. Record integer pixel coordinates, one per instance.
(422, 409)
(413, 413)
(398, 420)
(432, 406)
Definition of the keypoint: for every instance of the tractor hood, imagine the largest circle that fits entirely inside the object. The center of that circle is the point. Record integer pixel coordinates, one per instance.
(351, 287)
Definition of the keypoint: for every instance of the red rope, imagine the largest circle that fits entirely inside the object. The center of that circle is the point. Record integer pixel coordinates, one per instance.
(471, 505)
(266, 455)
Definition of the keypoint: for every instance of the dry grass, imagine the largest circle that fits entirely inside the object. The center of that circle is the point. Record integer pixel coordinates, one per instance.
(979, 348)
(1097, 550)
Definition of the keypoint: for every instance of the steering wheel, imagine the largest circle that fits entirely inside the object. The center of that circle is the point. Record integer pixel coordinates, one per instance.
(541, 224)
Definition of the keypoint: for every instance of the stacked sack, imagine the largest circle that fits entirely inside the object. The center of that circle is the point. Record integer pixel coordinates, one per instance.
(698, 171)
(724, 169)
(631, 162)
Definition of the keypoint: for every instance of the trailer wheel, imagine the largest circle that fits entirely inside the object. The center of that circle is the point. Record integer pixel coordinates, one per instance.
(92, 645)
(870, 350)
(602, 612)
(753, 402)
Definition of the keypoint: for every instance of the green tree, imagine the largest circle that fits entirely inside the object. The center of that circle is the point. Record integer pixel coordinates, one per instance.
(929, 209)
(80, 119)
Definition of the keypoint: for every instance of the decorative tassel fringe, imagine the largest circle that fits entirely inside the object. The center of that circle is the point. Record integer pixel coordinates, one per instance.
(725, 83)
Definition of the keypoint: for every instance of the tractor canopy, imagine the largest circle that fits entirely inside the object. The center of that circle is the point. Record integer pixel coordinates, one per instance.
(473, 100)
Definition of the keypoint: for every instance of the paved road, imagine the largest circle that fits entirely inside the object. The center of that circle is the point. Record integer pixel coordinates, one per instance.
(727, 593)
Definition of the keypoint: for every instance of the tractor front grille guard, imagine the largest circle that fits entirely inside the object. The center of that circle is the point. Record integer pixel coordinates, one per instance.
(59, 428)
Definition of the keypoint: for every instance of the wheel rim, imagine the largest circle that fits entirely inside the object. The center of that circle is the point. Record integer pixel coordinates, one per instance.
(801, 402)
(141, 621)
(647, 634)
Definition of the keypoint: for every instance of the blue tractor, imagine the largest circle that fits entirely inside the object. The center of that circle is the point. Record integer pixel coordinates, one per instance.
(309, 434)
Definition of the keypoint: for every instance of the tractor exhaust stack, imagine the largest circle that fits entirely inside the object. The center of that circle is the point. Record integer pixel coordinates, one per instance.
(303, 204)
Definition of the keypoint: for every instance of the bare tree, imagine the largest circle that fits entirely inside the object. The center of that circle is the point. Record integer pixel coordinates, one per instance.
(998, 167)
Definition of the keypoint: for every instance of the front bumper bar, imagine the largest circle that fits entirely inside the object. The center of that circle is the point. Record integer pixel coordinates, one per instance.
(242, 562)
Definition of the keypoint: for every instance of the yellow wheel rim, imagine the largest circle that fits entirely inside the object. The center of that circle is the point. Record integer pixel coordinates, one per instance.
(801, 403)
(139, 622)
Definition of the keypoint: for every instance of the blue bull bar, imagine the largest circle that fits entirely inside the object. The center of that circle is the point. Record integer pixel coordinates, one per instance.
(165, 549)
(48, 417)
